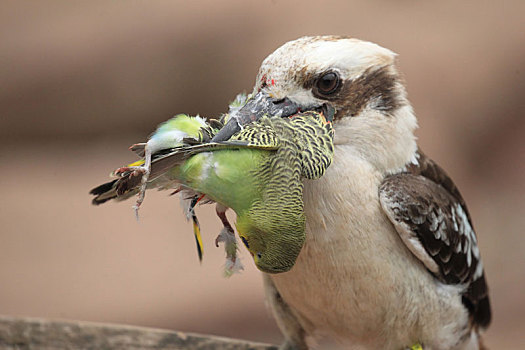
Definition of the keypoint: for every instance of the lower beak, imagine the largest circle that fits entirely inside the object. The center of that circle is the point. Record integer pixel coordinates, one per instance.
(255, 108)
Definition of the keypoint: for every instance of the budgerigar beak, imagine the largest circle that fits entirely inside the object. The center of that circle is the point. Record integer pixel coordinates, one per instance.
(255, 108)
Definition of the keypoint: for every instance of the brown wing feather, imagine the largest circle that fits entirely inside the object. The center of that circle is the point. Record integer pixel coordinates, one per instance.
(432, 218)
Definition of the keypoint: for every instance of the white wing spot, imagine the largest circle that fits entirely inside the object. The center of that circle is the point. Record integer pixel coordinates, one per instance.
(479, 271)
(206, 165)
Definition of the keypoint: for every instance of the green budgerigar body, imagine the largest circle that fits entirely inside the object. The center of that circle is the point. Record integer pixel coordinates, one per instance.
(262, 183)
(257, 173)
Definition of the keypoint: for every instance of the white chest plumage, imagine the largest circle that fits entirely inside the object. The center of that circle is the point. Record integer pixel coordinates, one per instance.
(354, 279)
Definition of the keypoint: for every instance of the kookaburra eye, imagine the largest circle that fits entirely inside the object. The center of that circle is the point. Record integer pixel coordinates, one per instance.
(328, 83)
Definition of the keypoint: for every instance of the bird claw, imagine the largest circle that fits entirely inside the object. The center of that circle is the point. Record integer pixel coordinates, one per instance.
(144, 172)
(227, 236)
(233, 263)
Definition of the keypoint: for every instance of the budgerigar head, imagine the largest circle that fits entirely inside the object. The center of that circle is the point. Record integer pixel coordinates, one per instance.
(273, 240)
(359, 79)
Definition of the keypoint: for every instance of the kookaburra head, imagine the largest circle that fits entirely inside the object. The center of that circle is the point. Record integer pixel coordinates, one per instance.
(357, 78)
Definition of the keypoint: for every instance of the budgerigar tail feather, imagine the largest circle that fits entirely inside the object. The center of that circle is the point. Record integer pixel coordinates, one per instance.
(104, 192)
(196, 226)
(198, 237)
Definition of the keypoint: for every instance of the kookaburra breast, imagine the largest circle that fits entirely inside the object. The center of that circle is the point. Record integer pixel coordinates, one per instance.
(391, 258)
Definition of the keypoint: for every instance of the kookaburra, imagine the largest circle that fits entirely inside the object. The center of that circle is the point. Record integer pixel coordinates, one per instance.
(391, 257)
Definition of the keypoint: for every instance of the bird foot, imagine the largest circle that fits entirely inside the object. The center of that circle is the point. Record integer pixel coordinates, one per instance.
(233, 263)
(143, 171)
(128, 170)
(227, 236)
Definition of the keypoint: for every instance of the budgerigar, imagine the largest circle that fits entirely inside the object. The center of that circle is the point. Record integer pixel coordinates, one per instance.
(258, 173)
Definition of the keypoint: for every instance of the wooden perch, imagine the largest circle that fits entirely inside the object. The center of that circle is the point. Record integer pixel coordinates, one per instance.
(41, 334)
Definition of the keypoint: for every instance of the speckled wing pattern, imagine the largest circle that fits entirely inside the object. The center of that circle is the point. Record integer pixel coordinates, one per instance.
(432, 219)
(280, 205)
(305, 151)
(308, 133)
(262, 135)
(316, 152)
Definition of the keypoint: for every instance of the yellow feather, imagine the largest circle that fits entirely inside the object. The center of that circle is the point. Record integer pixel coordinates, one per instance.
(137, 163)
(198, 238)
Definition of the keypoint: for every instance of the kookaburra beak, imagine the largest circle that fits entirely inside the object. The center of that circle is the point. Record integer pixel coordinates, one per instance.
(255, 108)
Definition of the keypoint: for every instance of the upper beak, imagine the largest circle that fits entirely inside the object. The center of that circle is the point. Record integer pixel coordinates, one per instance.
(255, 108)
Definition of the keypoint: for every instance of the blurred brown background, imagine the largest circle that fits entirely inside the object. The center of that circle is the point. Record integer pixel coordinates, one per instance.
(81, 81)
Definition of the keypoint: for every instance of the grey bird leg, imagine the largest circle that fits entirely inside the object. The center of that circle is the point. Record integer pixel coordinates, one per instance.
(227, 236)
(221, 213)
(295, 335)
